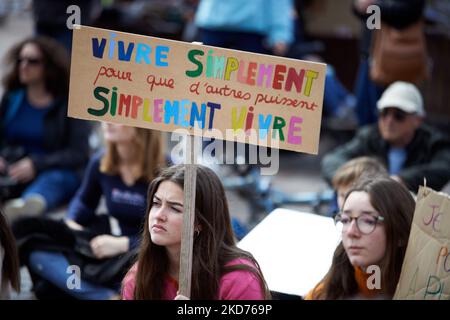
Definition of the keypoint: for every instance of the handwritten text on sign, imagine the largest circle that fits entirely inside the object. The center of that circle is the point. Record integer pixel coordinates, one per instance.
(165, 85)
(426, 268)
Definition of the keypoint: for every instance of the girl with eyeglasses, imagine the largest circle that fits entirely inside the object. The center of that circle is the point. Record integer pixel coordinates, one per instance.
(375, 222)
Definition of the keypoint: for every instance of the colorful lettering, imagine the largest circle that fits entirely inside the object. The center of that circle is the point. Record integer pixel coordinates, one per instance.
(434, 287)
(433, 218)
(192, 54)
(125, 51)
(293, 129)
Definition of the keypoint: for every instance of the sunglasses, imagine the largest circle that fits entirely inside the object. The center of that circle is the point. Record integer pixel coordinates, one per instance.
(397, 114)
(30, 61)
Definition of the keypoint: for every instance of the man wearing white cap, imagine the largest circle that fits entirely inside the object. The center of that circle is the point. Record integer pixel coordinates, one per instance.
(410, 149)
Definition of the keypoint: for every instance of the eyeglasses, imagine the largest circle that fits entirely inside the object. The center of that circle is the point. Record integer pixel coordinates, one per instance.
(399, 115)
(30, 61)
(365, 223)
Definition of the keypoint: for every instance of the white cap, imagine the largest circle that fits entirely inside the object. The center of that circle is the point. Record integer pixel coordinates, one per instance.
(404, 96)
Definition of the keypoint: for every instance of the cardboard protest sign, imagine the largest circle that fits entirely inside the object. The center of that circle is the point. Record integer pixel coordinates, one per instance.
(166, 85)
(426, 268)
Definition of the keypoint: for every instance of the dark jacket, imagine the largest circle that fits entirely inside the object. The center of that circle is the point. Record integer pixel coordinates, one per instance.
(397, 13)
(40, 233)
(51, 13)
(65, 139)
(428, 156)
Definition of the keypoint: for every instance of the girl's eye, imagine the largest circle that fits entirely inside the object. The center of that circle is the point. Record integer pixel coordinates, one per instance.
(176, 210)
(369, 221)
(345, 220)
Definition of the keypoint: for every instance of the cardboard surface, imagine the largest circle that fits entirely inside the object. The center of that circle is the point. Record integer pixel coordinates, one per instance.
(426, 268)
(293, 248)
(166, 85)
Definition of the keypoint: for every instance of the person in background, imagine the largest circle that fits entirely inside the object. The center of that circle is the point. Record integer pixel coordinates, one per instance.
(395, 13)
(353, 171)
(411, 150)
(375, 222)
(260, 26)
(42, 151)
(9, 261)
(120, 174)
(51, 18)
(220, 270)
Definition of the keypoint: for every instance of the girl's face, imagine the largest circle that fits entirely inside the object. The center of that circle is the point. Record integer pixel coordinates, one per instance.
(31, 64)
(118, 133)
(166, 215)
(363, 249)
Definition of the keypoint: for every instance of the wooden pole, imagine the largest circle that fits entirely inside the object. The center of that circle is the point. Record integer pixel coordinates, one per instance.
(187, 235)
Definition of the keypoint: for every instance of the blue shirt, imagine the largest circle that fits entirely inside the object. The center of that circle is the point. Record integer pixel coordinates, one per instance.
(396, 158)
(125, 203)
(26, 128)
(272, 18)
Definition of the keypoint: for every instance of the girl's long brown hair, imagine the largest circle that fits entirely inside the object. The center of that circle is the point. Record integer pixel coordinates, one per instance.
(213, 248)
(394, 202)
(10, 270)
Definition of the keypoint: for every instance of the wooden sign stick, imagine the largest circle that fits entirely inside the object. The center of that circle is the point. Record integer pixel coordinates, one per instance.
(187, 238)
(187, 235)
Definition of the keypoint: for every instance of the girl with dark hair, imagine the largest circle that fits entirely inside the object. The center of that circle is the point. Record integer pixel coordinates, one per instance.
(375, 222)
(220, 270)
(9, 261)
(42, 151)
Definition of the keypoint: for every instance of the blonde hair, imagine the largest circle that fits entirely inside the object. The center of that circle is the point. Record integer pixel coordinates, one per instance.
(362, 167)
(150, 152)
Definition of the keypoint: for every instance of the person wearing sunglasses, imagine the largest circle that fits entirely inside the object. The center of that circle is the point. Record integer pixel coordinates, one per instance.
(42, 151)
(411, 150)
(375, 223)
